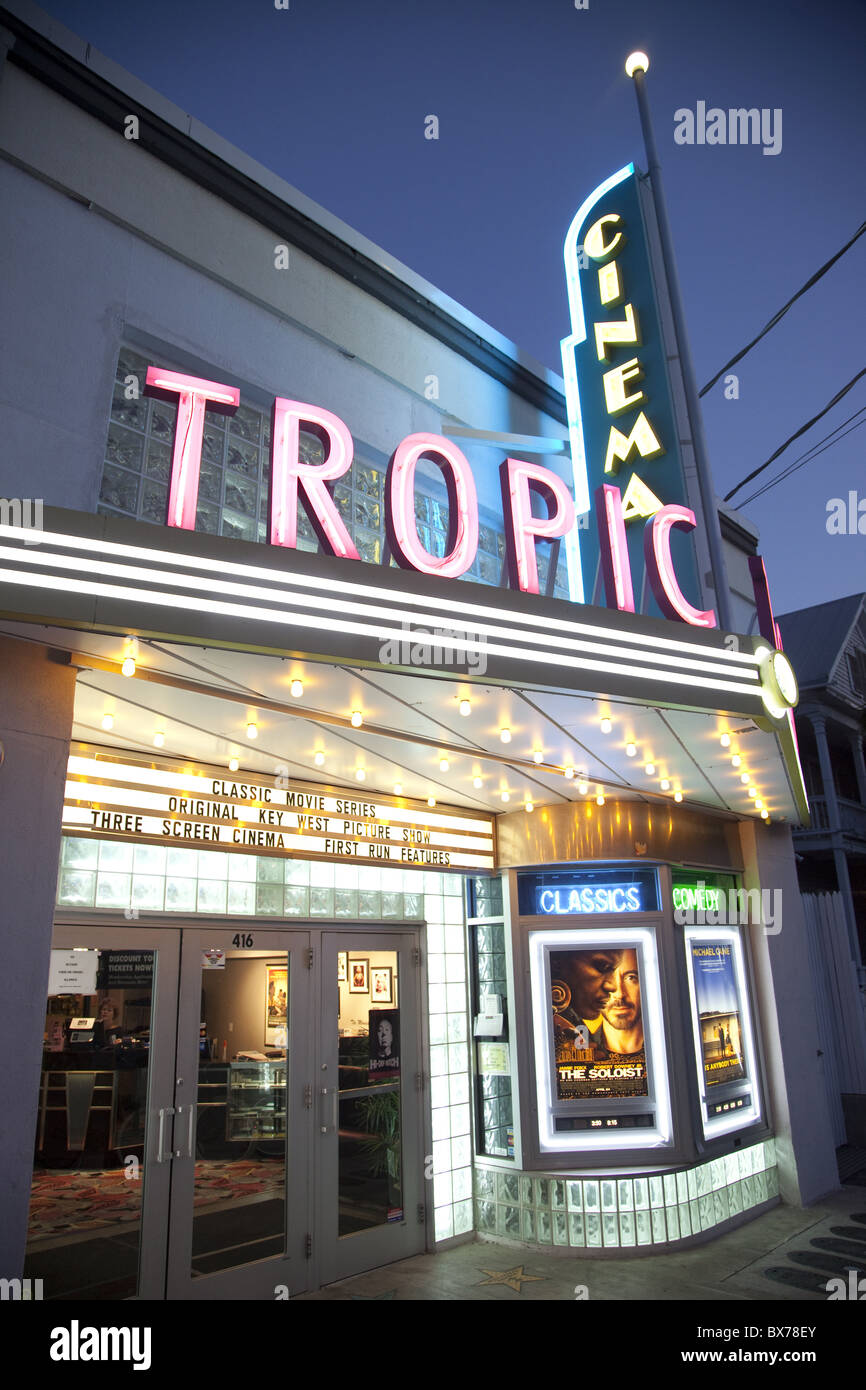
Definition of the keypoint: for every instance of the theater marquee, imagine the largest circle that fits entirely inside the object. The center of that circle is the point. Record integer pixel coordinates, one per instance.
(200, 807)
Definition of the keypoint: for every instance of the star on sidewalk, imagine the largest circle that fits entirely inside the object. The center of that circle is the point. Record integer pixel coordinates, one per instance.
(513, 1278)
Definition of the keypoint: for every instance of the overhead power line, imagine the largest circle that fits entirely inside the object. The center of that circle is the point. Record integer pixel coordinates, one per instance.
(820, 448)
(796, 435)
(781, 314)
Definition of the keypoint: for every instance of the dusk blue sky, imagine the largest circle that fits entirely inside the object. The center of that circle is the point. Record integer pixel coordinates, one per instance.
(534, 111)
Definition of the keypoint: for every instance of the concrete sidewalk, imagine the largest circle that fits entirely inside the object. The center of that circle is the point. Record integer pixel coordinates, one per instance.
(809, 1246)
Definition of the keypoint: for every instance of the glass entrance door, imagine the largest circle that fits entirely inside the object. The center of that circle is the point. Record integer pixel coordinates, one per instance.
(243, 1102)
(100, 1185)
(226, 1113)
(370, 1205)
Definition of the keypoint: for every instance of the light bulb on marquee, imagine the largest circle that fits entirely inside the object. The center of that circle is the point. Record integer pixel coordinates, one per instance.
(319, 758)
(465, 707)
(234, 764)
(357, 719)
(108, 722)
(159, 739)
(296, 689)
(505, 735)
(606, 724)
(252, 730)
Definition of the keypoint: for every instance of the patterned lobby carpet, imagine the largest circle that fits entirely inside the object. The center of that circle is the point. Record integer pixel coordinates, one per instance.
(63, 1202)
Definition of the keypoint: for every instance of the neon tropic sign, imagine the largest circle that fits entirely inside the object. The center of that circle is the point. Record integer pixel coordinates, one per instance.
(294, 480)
(558, 901)
(620, 283)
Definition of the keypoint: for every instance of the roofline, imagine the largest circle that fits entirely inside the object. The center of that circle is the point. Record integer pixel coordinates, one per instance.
(52, 54)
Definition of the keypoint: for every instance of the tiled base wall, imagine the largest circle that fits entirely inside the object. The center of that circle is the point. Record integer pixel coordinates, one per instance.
(583, 1213)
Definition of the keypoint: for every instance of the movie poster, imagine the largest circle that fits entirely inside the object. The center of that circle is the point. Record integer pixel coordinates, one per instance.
(718, 1011)
(598, 1024)
(384, 1032)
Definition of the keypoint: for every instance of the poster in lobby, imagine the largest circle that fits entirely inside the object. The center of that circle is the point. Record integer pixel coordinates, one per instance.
(276, 1005)
(719, 1012)
(598, 1029)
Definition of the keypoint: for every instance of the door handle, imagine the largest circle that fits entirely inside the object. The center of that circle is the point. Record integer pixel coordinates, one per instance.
(190, 1131)
(328, 1121)
(161, 1155)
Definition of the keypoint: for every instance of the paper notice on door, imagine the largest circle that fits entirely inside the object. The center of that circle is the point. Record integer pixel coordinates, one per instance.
(493, 1059)
(72, 972)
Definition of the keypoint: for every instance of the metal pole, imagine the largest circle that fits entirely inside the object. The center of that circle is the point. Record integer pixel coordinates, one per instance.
(696, 425)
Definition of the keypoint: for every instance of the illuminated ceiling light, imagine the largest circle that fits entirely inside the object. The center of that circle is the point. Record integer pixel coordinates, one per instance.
(744, 778)
(759, 805)
(431, 801)
(505, 735)
(252, 730)
(736, 760)
(537, 755)
(583, 788)
(678, 796)
(636, 62)
(765, 815)
(234, 764)
(398, 788)
(569, 771)
(665, 785)
(506, 796)
(296, 689)
(108, 722)
(599, 800)
(478, 783)
(360, 773)
(465, 707)
(528, 806)
(649, 769)
(753, 792)
(606, 725)
(159, 739)
(725, 740)
(128, 666)
(630, 750)
(319, 758)
(357, 719)
(444, 764)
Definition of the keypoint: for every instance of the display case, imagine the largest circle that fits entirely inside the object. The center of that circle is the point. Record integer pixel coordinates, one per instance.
(256, 1100)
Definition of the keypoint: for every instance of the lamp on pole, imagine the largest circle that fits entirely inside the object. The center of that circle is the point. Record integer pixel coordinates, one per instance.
(636, 66)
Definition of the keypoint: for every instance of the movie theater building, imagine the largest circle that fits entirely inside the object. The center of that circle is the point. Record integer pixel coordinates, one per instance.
(407, 864)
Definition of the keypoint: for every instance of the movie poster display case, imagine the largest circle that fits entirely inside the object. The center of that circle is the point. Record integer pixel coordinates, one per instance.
(626, 1036)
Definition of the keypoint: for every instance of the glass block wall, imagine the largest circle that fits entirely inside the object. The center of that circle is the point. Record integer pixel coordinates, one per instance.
(494, 1101)
(583, 1213)
(235, 474)
(129, 878)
